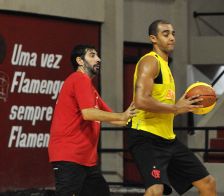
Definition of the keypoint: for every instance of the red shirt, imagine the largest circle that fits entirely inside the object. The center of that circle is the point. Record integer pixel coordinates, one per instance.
(71, 137)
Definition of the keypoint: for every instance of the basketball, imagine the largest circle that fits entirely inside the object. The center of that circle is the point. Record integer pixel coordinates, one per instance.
(206, 92)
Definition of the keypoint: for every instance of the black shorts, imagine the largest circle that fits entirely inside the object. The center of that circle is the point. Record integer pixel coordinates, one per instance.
(166, 162)
(72, 179)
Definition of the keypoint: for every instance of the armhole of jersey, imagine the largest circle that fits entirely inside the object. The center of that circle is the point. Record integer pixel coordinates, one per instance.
(158, 79)
(129, 124)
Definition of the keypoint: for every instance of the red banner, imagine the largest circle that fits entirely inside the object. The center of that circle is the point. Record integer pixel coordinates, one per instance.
(34, 61)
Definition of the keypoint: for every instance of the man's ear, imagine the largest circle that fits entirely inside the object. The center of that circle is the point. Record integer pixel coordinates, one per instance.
(153, 39)
(79, 60)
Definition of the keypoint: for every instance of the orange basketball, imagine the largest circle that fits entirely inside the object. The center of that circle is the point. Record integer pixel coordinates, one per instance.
(206, 92)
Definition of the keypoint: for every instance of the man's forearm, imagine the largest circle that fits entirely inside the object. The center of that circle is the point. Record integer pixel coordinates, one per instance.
(100, 115)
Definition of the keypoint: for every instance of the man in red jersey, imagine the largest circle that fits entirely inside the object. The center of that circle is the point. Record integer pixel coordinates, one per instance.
(75, 129)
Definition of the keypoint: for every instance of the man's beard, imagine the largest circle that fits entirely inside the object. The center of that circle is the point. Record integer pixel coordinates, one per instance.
(96, 68)
(91, 70)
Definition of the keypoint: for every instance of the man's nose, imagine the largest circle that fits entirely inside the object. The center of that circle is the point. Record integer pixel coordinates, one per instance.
(172, 37)
(98, 59)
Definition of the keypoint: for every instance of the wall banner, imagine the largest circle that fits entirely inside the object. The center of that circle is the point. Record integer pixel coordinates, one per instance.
(34, 61)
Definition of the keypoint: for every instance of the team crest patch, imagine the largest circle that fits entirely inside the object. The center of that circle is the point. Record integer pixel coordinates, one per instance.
(155, 173)
(170, 94)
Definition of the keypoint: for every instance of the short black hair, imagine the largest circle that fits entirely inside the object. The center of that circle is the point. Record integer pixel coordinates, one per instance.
(79, 51)
(153, 27)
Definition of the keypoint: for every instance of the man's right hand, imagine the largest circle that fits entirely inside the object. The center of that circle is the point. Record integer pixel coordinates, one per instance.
(130, 112)
(185, 105)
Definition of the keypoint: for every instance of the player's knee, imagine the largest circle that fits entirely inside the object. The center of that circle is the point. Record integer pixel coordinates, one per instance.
(155, 190)
(210, 183)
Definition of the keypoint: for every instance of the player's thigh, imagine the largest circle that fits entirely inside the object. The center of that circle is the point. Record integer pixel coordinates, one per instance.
(185, 164)
(95, 184)
(185, 168)
(69, 178)
(152, 162)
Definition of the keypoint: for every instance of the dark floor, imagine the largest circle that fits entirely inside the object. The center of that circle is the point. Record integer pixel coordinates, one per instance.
(33, 192)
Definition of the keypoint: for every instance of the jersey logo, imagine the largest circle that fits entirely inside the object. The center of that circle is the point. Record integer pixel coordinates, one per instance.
(170, 94)
(96, 106)
(155, 173)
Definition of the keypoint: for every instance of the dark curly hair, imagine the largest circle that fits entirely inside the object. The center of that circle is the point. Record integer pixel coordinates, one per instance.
(79, 51)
